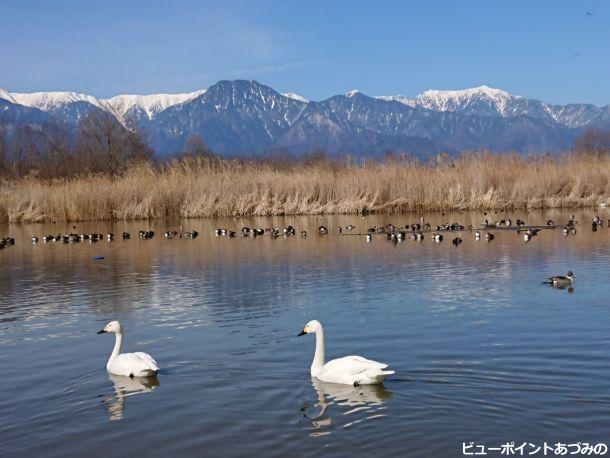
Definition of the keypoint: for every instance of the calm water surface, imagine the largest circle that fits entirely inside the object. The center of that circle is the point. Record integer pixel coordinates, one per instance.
(483, 351)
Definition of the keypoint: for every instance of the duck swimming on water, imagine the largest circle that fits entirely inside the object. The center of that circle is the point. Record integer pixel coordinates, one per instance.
(560, 281)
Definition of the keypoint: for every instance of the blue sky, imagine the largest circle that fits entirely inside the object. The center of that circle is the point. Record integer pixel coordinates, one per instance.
(550, 50)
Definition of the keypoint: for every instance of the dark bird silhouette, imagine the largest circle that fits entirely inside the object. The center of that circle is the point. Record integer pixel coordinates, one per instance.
(589, 13)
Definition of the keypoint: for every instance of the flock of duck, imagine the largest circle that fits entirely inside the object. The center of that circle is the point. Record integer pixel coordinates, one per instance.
(6, 242)
(96, 237)
(395, 234)
(418, 231)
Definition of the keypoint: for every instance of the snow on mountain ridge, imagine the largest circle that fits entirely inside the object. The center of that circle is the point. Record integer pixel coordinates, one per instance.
(477, 101)
(46, 101)
(292, 95)
(118, 105)
(438, 100)
(150, 104)
(398, 98)
(6, 95)
(453, 100)
(470, 92)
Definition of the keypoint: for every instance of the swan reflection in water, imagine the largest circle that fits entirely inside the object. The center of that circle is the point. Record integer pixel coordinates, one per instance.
(125, 386)
(354, 404)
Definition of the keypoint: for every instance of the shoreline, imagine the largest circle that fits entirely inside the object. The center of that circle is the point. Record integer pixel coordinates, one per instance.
(204, 187)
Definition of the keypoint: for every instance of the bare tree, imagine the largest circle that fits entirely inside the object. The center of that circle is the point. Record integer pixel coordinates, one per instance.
(195, 146)
(593, 141)
(107, 146)
(3, 159)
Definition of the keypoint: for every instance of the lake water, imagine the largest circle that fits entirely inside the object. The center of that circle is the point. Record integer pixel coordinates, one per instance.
(482, 350)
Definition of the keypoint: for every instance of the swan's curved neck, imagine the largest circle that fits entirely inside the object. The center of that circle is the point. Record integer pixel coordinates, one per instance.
(319, 356)
(118, 343)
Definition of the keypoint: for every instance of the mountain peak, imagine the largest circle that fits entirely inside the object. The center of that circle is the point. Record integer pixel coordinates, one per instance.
(398, 98)
(6, 95)
(481, 99)
(48, 100)
(484, 90)
(292, 95)
(352, 93)
(150, 104)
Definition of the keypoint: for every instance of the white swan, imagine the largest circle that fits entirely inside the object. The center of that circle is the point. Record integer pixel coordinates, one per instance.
(128, 364)
(349, 370)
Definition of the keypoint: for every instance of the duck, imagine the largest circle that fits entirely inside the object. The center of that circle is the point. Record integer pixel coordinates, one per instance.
(561, 281)
(477, 235)
(193, 234)
(128, 364)
(349, 370)
(572, 221)
(169, 234)
(146, 234)
(489, 236)
(369, 237)
(527, 237)
(456, 241)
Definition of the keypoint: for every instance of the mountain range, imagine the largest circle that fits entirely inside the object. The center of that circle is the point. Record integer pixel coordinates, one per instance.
(248, 118)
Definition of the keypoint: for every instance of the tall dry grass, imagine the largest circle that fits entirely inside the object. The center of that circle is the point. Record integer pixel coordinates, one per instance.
(207, 187)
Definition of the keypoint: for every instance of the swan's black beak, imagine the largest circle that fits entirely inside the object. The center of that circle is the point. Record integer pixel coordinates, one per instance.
(101, 332)
(302, 333)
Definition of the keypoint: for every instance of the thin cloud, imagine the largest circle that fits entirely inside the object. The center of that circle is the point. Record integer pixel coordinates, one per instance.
(270, 69)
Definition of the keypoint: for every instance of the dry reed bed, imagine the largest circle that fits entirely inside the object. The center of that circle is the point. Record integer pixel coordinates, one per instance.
(208, 187)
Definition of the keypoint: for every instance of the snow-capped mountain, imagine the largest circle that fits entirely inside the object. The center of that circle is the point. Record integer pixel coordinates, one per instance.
(48, 101)
(6, 95)
(124, 106)
(292, 95)
(479, 100)
(246, 117)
